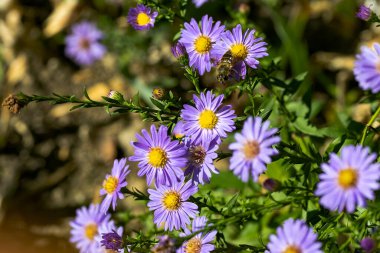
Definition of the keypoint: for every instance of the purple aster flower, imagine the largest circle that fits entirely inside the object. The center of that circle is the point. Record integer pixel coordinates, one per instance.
(82, 45)
(368, 244)
(347, 181)
(198, 3)
(294, 236)
(200, 41)
(179, 131)
(141, 17)
(170, 205)
(208, 119)
(85, 227)
(201, 159)
(253, 149)
(200, 243)
(367, 68)
(245, 49)
(110, 237)
(364, 13)
(113, 184)
(165, 245)
(159, 157)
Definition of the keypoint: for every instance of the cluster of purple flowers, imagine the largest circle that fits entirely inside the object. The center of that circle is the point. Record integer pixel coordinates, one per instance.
(83, 46)
(89, 226)
(208, 42)
(179, 163)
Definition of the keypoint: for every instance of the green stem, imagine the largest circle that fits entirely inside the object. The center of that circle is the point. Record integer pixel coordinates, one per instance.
(58, 99)
(370, 122)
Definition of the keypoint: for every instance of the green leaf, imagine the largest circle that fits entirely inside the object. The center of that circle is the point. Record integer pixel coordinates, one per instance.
(110, 100)
(136, 99)
(76, 107)
(231, 203)
(278, 170)
(86, 94)
(302, 125)
(295, 83)
(298, 108)
(157, 103)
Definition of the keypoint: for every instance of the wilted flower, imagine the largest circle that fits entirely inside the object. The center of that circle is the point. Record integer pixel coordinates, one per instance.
(82, 45)
(253, 149)
(245, 49)
(347, 181)
(170, 206)
(13, 104)
(199, 42)
(159, 157)
(367, 68)
(141, 17)
(294, 237)
(113, 184)
(208, 119)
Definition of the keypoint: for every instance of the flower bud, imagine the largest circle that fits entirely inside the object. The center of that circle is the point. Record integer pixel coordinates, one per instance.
(158, 93)
(368, 244)
(271, 185)
(364, 13)
(116, 96)
(178, 50)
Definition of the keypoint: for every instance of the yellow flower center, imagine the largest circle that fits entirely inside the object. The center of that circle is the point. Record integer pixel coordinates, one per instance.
(194, 245)
(202, 44)
(251, 149)
(90, 231)
(292, 249)
(142, 19)
(157, 157)
(172, 200)
(208, 119)
(239, 51)
(347, 178)
(110, 184)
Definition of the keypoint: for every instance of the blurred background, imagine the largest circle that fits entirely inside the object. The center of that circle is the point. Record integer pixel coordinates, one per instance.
(53, 161)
